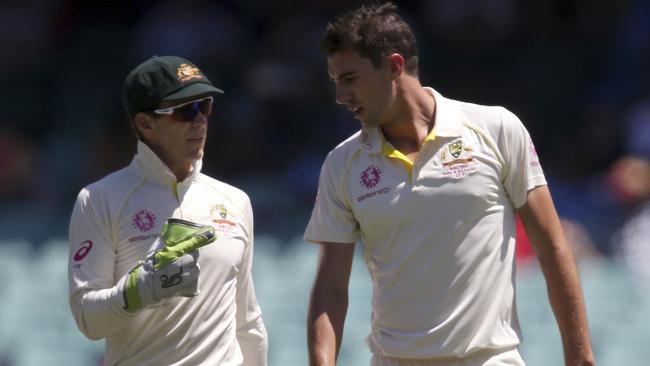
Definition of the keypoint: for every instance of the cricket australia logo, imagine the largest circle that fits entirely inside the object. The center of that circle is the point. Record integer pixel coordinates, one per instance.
(186, 72)
(221, 209)
(144, 220)
(371, 176)
(456, 148)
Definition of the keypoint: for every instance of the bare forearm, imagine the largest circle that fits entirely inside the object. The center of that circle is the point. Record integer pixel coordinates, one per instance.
(545, 231)
(329, 303)
(568, 305)
(325, 326)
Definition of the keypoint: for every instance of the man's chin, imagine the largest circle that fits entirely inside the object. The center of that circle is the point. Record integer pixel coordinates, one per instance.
(195, 154)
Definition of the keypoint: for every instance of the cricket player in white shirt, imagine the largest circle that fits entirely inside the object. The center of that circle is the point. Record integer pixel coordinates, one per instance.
(431, 186)
(160, 254)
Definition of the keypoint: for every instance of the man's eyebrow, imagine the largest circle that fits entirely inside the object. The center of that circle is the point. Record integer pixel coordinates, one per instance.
(344, 75)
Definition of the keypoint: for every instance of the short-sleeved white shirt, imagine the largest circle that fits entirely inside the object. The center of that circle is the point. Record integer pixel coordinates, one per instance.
(438, 236)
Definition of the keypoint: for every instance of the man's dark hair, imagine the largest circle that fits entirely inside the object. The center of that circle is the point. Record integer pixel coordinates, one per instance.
(375, 32)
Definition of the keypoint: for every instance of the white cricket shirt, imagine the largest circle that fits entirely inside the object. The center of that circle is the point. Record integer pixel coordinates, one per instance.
(115, 222)
(438, 234)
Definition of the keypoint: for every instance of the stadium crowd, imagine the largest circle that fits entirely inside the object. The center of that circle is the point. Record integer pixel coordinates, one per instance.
(571, 70)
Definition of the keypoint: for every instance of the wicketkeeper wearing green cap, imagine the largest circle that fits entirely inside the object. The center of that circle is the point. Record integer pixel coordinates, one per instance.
(160, 254)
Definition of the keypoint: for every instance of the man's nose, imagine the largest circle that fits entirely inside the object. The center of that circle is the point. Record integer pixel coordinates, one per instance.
(200, 119)
(342, 94)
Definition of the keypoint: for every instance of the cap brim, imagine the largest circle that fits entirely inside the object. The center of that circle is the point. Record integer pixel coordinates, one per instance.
(194, 90)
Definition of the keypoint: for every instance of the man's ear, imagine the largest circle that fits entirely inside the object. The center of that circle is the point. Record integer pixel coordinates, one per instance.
(395, 64)
(143, 123)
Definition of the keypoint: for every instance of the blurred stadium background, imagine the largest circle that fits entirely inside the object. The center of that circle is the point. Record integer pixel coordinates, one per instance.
(571, 70)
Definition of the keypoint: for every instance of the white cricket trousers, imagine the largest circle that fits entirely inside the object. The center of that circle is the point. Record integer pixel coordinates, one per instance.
(481, 358)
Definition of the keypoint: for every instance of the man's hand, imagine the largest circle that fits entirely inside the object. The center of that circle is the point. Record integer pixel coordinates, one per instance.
(171, 269)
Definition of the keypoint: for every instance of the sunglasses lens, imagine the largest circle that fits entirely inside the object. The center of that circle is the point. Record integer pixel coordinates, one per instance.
(188, 112)
(206, 107)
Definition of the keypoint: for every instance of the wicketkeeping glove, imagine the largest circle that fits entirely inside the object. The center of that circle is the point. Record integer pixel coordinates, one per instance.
(171, 269)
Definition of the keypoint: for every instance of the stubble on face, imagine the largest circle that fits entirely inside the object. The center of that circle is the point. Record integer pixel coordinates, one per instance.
(361, 87)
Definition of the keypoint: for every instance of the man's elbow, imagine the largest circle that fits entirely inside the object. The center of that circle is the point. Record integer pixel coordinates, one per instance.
(84, 322)
(87, 330)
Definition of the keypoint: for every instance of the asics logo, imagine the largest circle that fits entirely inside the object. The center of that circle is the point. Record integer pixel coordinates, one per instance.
(173, 280)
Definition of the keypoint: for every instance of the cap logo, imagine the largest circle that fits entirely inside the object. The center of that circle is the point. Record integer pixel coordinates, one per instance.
(186, 72)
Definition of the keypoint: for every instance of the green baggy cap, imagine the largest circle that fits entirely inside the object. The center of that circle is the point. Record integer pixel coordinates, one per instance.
(164, 78)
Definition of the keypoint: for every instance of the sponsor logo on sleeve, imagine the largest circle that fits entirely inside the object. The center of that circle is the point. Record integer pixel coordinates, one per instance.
(84, 248)
(534, 159)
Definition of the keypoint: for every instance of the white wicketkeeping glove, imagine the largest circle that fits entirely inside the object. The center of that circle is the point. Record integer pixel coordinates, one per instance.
(171, 269)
